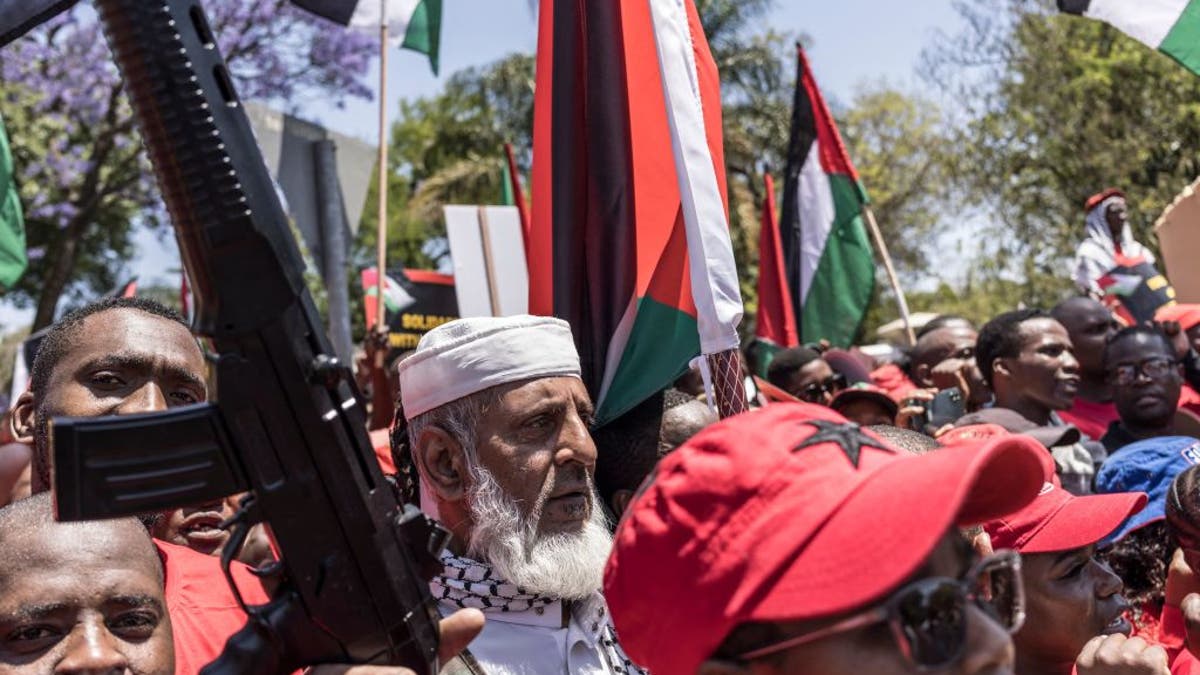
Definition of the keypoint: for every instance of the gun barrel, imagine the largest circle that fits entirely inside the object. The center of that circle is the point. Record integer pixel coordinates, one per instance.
(296, 434)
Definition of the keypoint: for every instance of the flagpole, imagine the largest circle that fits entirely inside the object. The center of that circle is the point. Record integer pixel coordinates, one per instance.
(891, 272)
(381, 234)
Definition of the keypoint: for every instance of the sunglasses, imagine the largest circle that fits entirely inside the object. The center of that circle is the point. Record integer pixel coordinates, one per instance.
(1127, 373)
(815, 391)
(928, 617)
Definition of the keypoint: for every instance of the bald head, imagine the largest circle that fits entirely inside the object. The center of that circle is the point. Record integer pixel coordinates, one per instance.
(682, 422)
(80, 597)
(28, 530)
(1089, 324)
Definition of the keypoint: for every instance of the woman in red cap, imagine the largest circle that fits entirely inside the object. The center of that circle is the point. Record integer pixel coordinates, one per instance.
(1074, 610)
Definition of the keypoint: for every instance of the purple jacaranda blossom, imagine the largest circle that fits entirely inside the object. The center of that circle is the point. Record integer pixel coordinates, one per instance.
(85, 181)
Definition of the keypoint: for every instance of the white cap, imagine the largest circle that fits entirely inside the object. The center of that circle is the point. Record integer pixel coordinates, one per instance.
(466, 356)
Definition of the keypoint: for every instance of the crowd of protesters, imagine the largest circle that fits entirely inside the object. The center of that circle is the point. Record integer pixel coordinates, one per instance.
(1016, 497)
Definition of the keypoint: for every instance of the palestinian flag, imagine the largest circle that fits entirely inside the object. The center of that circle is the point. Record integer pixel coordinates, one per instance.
(412, 24)
(826, 253)
(630, 239)
(1170, 26)
(12, 223)
(776, 326)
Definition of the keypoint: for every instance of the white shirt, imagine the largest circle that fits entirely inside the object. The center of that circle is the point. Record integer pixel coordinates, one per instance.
(534, 642)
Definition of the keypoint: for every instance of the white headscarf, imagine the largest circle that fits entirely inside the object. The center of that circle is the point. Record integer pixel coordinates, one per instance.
(1097, 254)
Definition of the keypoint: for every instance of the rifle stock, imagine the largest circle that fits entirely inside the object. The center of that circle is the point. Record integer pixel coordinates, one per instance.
(287, 422)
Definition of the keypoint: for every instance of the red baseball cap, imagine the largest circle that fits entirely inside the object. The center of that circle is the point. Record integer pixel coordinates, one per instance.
(791, 513)
(1059, 521)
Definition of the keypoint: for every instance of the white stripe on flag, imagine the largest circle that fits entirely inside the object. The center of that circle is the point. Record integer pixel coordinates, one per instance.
(1147, 20)
(710, 251)
(816, 212)
(368, 12)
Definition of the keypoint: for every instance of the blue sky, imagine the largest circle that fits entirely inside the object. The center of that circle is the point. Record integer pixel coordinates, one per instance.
(853, 42)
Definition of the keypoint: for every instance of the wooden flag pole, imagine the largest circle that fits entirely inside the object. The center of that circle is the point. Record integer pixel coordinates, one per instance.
(381, 234)
(869, 215)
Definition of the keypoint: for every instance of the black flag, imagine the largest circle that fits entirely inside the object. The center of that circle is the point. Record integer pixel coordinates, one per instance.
(338, 11)
(17, 17)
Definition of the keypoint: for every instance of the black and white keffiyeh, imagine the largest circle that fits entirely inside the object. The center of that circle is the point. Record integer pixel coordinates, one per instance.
(467, 583)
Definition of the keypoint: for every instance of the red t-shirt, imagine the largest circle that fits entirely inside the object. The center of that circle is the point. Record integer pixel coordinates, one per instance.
(1090, 418)
(382, 441)
(1182, 661)
(1189, 399)
(203, 610)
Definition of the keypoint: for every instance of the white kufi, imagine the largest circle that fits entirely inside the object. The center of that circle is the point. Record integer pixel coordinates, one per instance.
(466, 356)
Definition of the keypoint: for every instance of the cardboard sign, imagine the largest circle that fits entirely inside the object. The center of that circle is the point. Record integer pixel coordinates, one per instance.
(415, 302)
(488, 249)
(1178, 231)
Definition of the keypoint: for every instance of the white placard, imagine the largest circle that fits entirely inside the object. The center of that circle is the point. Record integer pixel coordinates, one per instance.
(491, 279)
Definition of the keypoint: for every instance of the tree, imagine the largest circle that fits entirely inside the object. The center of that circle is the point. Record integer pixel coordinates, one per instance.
(85, 181)
(901, 148)
(1055, 108)
(447, 149)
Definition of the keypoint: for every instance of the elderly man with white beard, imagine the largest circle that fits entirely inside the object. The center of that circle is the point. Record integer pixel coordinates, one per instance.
(498, 423)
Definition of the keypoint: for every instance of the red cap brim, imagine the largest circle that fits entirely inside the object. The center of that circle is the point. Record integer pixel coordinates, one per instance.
(1083, 521)
(903, 510)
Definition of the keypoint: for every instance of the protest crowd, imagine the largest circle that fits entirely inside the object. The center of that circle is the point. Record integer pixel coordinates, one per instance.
(1015, 496)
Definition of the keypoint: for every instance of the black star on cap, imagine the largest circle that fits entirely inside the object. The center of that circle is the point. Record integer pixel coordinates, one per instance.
(848, 436)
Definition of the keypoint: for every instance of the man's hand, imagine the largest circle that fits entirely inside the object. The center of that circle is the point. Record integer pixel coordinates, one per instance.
(952, 373)
(457, 631)
(912, 409)
(1120, 655)
(1176, 335)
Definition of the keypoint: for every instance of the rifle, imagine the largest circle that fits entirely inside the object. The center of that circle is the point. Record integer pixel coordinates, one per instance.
(288, 423)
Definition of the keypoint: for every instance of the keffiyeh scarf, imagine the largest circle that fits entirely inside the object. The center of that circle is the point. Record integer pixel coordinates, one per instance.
(468, 583)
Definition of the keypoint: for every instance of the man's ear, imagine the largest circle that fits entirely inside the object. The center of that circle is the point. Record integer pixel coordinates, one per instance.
(722, 667)
(21, 422)
(440, 459)
(1000, 365)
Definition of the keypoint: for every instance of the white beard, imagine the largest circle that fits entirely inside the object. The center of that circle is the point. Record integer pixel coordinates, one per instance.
(565, 566)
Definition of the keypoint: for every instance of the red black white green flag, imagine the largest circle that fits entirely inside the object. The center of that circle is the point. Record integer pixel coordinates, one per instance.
(1170, 26)
(827, 255)
(630, 239)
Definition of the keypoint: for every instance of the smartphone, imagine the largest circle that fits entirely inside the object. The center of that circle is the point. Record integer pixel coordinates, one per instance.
(945, 408)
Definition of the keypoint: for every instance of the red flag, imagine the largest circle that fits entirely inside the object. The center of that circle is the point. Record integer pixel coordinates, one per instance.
(518, 195)
(776, 317)
(625, 89)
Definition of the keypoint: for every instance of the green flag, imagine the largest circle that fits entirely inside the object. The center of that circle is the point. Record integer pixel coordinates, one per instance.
(12, 223)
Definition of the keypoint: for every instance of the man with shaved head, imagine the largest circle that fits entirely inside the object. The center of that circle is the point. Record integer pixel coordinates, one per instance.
(1090, 325)
(80, 597)
(123, 356)
(944, 357)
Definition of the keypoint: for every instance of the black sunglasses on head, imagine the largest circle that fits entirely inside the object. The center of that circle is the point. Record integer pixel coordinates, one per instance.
(832, 385)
